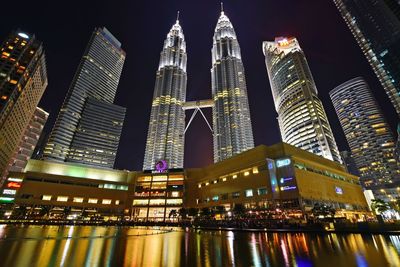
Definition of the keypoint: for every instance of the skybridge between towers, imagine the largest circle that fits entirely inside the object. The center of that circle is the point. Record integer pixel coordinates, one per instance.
(197, 106)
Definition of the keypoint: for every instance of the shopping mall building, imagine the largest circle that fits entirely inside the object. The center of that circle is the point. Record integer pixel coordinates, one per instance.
(279, 177)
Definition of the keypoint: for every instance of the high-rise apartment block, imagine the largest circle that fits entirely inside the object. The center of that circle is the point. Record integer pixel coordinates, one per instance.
(165, 138)
(23, 79)
(369, 136)
(29, 141)
(301, 116)
(232, 127)
(375, 25)
(88, 127)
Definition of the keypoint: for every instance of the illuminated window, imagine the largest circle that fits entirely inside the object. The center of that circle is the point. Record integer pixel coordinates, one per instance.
(106, 201)
(255, 170)
(4, 97)
(116, 202)
(174, 202)
(246, 173)
(92, 200)
(140, 202)
(160, 178)
(62, 199)
(224, 179)
(234, 176)
(157, 202)
(199, 186)
(235, 194)
(144, 179)
(261, 191)
(175, 194)
(78, 199)
(13, 81)
(46, 197)
(215, 198)
(248, 193)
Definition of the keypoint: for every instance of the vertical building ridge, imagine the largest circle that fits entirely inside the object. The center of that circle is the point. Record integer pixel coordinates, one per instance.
(233, 131)
(301, 116)
(81, 134)
(165, 138)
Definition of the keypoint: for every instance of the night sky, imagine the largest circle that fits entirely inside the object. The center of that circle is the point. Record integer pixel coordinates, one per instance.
(141, 26)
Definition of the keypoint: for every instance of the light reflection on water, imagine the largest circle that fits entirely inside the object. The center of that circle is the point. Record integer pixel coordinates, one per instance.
(113, 246)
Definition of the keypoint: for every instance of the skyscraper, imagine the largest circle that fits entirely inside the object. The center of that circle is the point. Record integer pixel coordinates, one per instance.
(233, 132)
(165, 138)
(28, 141)
(375, 25)
(301, 116)
(82, 133)
(23, 79)
(369, 136)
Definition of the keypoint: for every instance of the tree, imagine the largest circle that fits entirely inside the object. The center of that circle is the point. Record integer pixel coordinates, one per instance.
(183, 213)
(205, 212)
(239, 210)
(379, 206)
(323, 210)
(193, 212)
(173, 214)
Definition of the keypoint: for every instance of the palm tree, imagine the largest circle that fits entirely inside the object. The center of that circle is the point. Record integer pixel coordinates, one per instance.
(193, 212)
(239, 210)
(379, 206)
(173, 214)
(183, 213)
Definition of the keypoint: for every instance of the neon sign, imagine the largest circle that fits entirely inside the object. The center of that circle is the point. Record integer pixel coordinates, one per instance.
(284, 180)
(338, 190)
(13, 185)
(287, 188)
(282, 162)
(9, 192)
(161, 166)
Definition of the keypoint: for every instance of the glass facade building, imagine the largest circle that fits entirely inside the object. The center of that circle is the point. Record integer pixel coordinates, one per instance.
(369, 136)
(232, 127)
(302, 119)
(75, 136)
(375, 25)
(165, 138)
(23, 79)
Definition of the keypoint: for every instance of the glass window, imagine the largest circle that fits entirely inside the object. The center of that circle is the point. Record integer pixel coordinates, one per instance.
(262, 191)
(235, 194)
(159, 185)
(175, 194)
(144, 179)
(92, 200)
(174, 202)
(46, 197)
(78, 199)
(175, 178)
(215, 198)
(156, 212)
(140, 202)
(106, 201)
(248, 193)
(116, 202)
(160, 178)
(157, 202)
(62, 199)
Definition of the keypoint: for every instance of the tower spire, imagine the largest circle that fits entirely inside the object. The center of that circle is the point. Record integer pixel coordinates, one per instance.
(177, 17)
(222, 7)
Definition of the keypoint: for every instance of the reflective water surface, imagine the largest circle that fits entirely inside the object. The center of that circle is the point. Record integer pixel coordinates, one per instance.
(113, 246)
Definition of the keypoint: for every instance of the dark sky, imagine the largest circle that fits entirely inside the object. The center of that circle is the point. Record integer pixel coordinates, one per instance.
(141, 26)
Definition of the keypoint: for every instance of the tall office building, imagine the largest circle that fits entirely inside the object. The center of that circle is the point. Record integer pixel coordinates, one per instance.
(375, 25)
(28, 141)
(301, 116)
(369, 136)
(23, 79)
(88, 127)
(349, 162)
(165, 138)
(233, 132)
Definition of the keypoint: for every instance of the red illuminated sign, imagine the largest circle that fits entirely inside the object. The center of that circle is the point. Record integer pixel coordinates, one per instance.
(13, 185)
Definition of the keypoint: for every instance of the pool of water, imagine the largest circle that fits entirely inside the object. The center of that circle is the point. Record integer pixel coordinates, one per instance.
(124, 246)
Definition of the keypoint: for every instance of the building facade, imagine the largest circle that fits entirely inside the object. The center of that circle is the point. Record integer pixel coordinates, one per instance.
(302, 119)
(95, 81)
(279, 178)
(375, 24)
(165, 138)
(264, 178)
(369, 136)
(23, 79)
(232, 127)
(349, 162)
(28, 142)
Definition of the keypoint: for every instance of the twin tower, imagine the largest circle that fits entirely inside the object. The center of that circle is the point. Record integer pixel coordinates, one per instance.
(232, 131)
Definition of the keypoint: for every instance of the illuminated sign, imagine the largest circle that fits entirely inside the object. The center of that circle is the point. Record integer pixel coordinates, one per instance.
(23, 35)
(13, 185)
(282, 162)
(270, 165)
(283, 42)
(6, 199)
(284, 180)
(338, 190)
(9, 192)
(161, 166)
(14, 179)
(287, 188)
